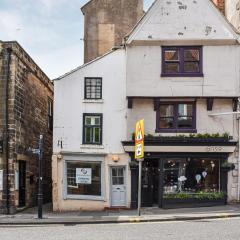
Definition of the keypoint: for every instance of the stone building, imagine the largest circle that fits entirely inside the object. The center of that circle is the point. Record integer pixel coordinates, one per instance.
(26, 111)
(106, 24)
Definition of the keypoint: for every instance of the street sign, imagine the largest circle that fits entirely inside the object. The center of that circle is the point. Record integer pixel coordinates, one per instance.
(139, 156)
(139, 140)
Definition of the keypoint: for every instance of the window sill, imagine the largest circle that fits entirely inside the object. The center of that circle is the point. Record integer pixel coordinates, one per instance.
(93, 146)
(93, 101)
(183, 75)
(84, 197)
(176, 130)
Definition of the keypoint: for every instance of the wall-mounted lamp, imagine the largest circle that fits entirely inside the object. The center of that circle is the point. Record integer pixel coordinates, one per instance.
(115, 158)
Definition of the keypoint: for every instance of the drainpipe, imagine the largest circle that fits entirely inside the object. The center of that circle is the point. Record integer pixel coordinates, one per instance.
(8, 59)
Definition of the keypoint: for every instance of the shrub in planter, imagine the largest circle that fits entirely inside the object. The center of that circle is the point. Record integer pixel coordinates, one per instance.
(198, 196)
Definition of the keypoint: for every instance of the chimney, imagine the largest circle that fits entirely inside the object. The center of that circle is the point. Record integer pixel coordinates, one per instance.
(220, 4)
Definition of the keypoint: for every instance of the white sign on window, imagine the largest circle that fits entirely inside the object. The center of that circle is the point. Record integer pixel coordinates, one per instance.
(84, 175)
(1, 180)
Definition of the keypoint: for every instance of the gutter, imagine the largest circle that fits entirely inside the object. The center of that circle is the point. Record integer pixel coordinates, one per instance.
(6, 136)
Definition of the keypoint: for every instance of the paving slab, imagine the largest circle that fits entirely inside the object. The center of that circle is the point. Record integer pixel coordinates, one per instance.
(155, 214)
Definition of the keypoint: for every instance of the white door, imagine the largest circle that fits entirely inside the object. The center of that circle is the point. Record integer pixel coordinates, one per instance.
(118, 187)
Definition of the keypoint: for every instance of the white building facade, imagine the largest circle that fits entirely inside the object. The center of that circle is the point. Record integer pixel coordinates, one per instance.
(179, 71)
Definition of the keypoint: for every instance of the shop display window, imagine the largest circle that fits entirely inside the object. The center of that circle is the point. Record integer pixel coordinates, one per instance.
(191, 175)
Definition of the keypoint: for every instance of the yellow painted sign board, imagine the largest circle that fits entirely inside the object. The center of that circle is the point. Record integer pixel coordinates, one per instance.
(139, 140)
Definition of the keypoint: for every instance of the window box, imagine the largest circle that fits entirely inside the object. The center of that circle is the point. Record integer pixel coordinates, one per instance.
(182, 61)
(176, 117)
(171, 203)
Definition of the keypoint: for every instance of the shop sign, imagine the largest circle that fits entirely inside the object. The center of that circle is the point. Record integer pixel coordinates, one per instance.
(1, 180)
(139, 140)
(84, 175)
(1, 146)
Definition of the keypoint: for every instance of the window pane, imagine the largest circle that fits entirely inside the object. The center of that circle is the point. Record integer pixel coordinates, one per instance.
(120, 180)
(166, 110)
(115, 180)
(88, 120)
(171, 55)
(94, 188)
(191, 55)
(114, 172)
(166, 123)
(185, 122)
(120, 172)
(88, 133)
(185, 109)
(171, 67)
(191, 175)
(97, 120)
(191, 67)
(96, 135)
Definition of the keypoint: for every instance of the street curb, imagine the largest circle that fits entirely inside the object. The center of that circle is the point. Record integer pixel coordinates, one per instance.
(130, 220)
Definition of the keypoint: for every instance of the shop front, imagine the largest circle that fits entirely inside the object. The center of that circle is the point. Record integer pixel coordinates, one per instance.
(195, 175)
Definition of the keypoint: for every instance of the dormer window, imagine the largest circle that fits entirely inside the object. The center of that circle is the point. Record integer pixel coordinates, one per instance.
(182, 62)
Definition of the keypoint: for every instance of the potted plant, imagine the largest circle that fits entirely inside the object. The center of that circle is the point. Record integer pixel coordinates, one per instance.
(227, 166)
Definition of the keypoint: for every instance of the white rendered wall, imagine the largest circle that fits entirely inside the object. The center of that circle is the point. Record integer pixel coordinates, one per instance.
(143, 108)
(221, 68)
(69, 106)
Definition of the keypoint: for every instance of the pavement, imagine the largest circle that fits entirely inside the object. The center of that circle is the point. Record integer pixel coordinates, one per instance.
(29, 216)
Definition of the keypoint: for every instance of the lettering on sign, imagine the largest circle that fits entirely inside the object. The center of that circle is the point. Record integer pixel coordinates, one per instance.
(215, 149)
(84, 175)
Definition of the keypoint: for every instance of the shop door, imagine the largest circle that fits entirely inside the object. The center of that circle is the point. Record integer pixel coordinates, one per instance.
(22, 183)
(118, 187)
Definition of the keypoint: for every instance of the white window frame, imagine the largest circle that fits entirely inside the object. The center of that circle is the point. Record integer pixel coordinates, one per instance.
(84, 158)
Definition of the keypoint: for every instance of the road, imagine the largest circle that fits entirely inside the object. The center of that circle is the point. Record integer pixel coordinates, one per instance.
(222, 229)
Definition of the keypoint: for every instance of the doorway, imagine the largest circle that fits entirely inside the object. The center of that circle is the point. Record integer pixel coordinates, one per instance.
(22, 183)
(118, 186)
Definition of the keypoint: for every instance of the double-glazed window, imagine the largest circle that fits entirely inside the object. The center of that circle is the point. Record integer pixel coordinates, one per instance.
(93, 88)
(84, 178)
(182, 61)
(176, 117)
(92, 129)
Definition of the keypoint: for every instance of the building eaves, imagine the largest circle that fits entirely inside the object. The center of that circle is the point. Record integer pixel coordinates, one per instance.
(85, 65)
(85, 5)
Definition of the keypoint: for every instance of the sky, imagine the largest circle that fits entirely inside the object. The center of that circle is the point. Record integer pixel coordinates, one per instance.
(51, 31)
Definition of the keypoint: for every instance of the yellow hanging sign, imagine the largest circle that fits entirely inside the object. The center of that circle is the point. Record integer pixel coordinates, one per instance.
(139, 140)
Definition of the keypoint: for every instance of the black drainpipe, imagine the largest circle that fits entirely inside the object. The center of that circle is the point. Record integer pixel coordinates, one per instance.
(8, 58)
